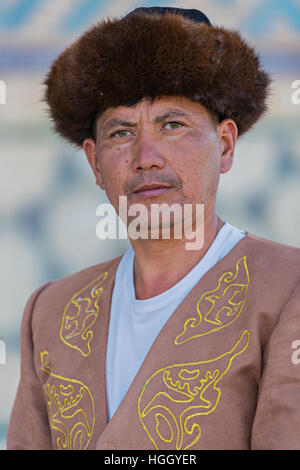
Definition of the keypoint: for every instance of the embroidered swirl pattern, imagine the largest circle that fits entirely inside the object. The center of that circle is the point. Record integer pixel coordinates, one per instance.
(71, 409)
(219, 307)
(187, 392)
(80, 314)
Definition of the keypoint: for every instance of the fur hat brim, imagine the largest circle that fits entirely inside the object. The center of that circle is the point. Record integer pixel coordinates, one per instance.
(118, 62)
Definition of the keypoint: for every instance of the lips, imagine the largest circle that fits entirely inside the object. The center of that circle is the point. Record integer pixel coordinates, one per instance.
(151, 190)
(147, 187)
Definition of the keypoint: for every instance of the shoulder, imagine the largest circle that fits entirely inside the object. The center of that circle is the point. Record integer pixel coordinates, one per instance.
(271, 269)
(51, 298)
(271, 254)
(274, 269)
(83, 276)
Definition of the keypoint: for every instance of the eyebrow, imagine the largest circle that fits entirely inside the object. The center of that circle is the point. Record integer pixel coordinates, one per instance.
(114, 122)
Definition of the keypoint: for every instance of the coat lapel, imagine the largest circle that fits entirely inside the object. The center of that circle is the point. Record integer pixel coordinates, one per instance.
(179, 384)
(71, 363)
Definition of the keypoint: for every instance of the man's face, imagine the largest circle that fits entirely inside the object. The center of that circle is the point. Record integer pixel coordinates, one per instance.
(172, 144)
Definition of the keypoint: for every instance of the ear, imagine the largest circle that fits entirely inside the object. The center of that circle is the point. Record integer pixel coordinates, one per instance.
(89, 147)
(228, 133)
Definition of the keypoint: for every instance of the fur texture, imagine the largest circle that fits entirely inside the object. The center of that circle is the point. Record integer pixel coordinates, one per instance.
(118, 62)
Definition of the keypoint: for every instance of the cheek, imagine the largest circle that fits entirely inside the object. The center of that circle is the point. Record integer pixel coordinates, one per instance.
(189, 161)
(114, 169)
(197, 164)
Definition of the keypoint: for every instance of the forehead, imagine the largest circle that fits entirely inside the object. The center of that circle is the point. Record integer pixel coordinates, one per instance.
(169, 106)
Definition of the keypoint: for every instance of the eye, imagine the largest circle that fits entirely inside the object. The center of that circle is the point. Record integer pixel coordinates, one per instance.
(173, 125)
(120, 134)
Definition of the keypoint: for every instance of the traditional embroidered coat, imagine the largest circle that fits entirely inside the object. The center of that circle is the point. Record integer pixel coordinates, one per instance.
(222, 373)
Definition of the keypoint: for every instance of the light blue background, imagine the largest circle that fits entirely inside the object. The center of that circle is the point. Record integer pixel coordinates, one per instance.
(48, 195)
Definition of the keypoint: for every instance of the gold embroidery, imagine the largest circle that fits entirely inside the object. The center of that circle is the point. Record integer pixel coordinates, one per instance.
(222, 304)
(80, 314)
(71, 409)
(188, 391)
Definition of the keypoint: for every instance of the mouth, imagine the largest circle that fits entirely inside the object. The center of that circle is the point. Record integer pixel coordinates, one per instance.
(151, 190)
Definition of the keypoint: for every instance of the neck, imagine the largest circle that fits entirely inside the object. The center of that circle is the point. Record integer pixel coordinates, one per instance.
(160, 264)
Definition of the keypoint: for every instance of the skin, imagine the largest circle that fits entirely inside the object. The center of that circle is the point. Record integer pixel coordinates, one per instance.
(187, 150)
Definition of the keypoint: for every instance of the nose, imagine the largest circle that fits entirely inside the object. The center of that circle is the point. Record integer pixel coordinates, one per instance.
(148, 153)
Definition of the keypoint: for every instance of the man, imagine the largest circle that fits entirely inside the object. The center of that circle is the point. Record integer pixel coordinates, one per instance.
(165, 347)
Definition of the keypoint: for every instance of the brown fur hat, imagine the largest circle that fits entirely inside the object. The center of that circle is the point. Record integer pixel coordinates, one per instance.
(118, 62)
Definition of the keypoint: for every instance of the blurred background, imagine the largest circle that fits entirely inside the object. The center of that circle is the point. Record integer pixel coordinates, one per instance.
(48, 195)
